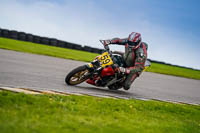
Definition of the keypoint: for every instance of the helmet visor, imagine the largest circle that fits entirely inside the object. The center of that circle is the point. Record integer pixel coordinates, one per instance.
(133, 44)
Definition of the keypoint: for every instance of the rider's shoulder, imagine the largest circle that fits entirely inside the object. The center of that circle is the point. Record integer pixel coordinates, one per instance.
(146, 45)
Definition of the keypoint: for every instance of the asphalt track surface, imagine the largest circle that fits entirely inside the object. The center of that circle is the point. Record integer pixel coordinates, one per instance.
(32, 71)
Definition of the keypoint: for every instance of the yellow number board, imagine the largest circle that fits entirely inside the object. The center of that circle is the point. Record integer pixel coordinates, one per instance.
(105, 59)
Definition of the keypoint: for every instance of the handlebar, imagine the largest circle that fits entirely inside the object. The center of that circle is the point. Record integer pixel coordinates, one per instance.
(102, 41)
(106, 47)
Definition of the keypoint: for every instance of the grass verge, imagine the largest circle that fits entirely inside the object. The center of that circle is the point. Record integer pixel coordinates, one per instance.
(35, 48)
(175, 71)
(29, 47)
(20, 113)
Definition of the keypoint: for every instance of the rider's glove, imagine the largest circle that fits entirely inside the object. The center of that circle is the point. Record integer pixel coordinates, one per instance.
(124, 70)
(107, 42)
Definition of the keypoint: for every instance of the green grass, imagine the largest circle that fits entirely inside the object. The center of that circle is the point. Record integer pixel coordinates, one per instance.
(20, 113)
(86, 56)
(35, 48)
(176, 71)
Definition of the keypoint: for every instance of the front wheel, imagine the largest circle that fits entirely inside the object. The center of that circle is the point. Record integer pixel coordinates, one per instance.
(77, 76)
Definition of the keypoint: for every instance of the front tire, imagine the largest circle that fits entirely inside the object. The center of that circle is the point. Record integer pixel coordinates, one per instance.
(77, 76)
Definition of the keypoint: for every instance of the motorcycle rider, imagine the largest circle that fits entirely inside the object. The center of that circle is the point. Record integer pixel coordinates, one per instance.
(134, 57)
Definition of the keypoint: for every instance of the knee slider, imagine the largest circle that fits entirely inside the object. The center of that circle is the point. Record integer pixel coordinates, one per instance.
(126, 87)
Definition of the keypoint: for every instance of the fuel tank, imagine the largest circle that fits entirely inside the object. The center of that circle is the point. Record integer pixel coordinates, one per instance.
(108, 71)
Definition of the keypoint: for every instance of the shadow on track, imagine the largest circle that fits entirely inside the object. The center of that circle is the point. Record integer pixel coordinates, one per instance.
(105, 91)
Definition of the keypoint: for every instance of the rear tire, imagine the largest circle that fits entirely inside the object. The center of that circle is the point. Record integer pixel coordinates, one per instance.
(77, 75)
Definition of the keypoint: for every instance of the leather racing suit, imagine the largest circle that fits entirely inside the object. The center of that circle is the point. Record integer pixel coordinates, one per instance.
(134, 58)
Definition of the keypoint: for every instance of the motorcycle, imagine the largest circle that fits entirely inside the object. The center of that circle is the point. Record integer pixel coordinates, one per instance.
(102, 71)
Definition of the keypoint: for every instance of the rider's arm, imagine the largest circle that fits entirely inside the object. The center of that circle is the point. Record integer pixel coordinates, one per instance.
(118, 52)
(119, 41)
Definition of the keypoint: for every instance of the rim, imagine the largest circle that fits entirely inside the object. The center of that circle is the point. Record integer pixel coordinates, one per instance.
(78, 77)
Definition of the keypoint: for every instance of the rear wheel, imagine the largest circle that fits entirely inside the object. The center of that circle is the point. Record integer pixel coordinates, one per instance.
(77, 76)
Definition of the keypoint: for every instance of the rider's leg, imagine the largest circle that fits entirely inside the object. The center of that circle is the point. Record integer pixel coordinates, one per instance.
(129, 80)
(135, 71)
